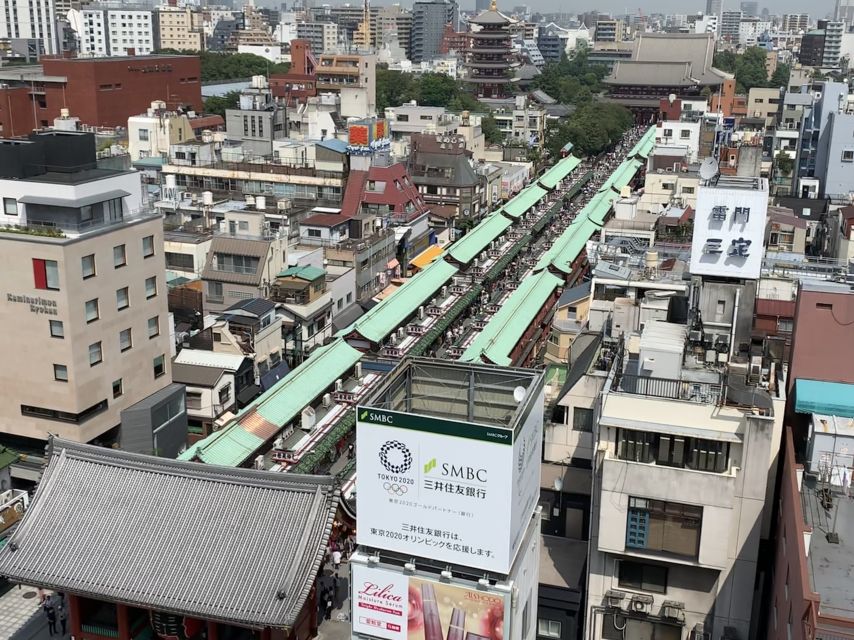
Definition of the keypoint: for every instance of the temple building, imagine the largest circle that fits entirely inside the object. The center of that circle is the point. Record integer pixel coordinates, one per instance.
(151, 547)
(491, 60)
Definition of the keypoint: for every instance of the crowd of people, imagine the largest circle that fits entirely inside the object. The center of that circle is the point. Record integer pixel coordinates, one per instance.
(342, 543)
(56, 613)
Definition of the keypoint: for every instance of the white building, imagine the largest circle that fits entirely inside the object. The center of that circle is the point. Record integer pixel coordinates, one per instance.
(683, 134)
(151, 134)
(750, 30)
(31, 20)
(116, 31)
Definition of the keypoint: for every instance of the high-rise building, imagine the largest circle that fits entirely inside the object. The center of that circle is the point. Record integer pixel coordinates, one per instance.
(730, 25)
(429, 18)
(833, 30)
(608, 30)
(85, 309)
(179, 28)
(30, 20)
(323, 36)
(795, 22)
(844, 11)
(116, 31)
(713, 7)
(750, 8)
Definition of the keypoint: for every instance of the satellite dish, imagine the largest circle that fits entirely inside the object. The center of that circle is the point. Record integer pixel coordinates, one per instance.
(672, 98)
(519, 394)
(709, 169)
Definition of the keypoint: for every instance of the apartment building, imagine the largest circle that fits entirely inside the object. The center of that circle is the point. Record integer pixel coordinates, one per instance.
(108, 30)
(31, 20)
(323, 36)
(257, 121)
(179, 28)
(86, 309)
(429, 18)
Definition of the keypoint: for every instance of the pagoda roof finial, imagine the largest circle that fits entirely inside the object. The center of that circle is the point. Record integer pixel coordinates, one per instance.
(493, 5)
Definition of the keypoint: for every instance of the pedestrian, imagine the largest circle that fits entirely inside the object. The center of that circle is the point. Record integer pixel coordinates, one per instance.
(329, 605)
(50, 612)
(335, 585)
(351, 450)
(336, 559)
(63, 619)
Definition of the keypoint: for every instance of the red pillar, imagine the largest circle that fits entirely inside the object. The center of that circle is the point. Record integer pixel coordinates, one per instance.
(213, 630)
(74, 615)
(123, 622)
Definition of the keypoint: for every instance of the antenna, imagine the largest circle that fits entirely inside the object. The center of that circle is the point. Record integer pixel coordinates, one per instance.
(709, 170)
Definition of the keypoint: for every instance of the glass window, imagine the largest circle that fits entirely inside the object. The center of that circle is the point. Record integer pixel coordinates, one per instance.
(60, 372)
(225, 394)
(46, 274)
(151, 287)
(86, 213)
(153, 327)
(582, 419)
(118, 388)
(119, 256)
(147, 246)
(88, 265)
(125, 340)
(181, 261)
(548, 628)
(143, 135)
(56, 329)
(122, 298)
(92, 310)
(95, 355)
(159, 365)
(10, 206)
(668, 527)
(641, 576)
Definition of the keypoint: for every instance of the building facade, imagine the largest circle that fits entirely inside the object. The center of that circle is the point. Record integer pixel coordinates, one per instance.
(179, 28)
(429, 18)
(31, 20)
(116, 31)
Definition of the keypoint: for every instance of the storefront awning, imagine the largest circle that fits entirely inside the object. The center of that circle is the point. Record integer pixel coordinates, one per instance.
(827, 398)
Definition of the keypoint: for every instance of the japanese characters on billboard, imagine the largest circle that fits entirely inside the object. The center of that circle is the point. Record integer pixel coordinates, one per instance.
(396, 606)
(448, 490)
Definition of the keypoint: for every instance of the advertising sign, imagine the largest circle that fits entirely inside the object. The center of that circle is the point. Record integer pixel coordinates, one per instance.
(729, 231)
(448, 490)
(395, 606)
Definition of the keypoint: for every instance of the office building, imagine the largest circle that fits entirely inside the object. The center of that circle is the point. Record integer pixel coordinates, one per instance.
(608, 30)
(31, 20)
(84, 263)
(795, 22)
(713, 7)
(257, 121)
(179, 28)
(116, 31)
(832, 51)
(428, 27)
(750, 8)
(729, 25)
(844, 11)
(323, 36)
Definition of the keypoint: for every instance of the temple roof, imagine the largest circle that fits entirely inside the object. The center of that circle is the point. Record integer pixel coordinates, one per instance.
(232, 545)
(491, 16)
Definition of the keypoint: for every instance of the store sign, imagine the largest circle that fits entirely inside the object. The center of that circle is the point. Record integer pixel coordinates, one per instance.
(729, 231)
(395, 606)
(448, 490)
(37, 305)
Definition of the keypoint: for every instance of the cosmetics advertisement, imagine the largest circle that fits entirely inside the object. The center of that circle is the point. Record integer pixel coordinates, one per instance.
(393, 606)
(426, 486)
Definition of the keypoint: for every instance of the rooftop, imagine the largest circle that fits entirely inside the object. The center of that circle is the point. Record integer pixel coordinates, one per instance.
(202, 358)
(170, 552)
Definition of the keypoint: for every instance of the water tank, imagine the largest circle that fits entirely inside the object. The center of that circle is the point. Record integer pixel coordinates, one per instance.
(207, 135)
(260, 202)
(65, 112)
(170, 182)
(250, 200)
(650, 260)
(207, 197)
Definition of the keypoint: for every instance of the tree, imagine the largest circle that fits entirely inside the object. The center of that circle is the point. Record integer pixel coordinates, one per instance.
(592, 128)
(490, 130)
(780, 77)
(232, 66)
(784, 163)
(572, 80)
(218, 104)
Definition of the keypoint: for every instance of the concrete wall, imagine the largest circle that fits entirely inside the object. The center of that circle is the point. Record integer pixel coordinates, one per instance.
(836, 174)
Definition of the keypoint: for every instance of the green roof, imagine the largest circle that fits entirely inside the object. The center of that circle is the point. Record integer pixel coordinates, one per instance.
(569, 249)
(384, 318)
(524, 201)
(470, 245)
(501, 335)
(644, 145)
(303, 273)
(7, 457)
(625, 173)
(233, 444)
(597, 209)
(558, 172)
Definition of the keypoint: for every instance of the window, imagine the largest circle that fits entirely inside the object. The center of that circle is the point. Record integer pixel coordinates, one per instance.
(641, 576)
(720, 309)
(159, 365)
(92, 310)
(150, 287)
(118, 388)
(194, 400)
(215, 290)
(56, 329)
(582, 419)
(685, 134)
(10, 206)
(313, 233)
(46, 274)
(848, 155)
(87, 263)
(349, 298)
(147, 246)
(233, 263)
(181, 261)
(225, 394)
(673, 451)
(125, 340)
(548, 628)
(143, 135)
(668, 527)
(60, 372)
(688, 190)
(637, 446)
(122, 299)
(119, 257)
(95, 354)
(784, 325)
(668, 133)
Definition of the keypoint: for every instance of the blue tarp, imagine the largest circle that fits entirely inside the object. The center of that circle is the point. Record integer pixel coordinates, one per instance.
(828, 398)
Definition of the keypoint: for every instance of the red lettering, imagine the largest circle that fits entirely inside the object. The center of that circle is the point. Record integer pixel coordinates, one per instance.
(384, 593)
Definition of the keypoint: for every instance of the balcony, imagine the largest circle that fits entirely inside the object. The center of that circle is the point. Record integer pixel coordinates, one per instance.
(61, 229)
(685, 390)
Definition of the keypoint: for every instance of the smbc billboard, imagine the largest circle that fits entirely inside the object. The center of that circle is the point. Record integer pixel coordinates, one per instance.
(449, 490)
(395, 606)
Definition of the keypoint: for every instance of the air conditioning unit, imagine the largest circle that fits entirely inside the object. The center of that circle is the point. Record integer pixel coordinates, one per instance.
(755, 367)
(308, 418)
(401, 333)
(723, 358)
(672, 610)
(327, 400)
(640, 603)
(339, 385)
(711, 355)
(614, 598)
(259, 463)
(357, 370)
(695, 335)
(421, 312)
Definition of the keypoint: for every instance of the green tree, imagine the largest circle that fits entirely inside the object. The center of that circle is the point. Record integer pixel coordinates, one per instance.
(725, 61)
(592, 128)
(750, 70)
(490, 130)
(784, 163)
(232, 66)
(572, 80)
(780, 77)
(218, 104)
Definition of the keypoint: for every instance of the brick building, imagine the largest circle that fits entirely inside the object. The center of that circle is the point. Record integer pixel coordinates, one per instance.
(100, 91)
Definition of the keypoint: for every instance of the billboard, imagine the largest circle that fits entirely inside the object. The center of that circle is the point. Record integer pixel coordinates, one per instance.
(729, 231)
(448, 490)
(395, 606)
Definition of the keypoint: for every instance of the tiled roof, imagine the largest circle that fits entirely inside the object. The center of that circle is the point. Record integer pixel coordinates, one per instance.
(237, 246)
(308, 273)
(254, 306)
(233, 545)
(353, 192)
(195, 375)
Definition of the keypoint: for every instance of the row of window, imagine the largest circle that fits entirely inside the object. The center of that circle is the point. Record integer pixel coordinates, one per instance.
(673, 451)
(57, 328)
(96, 356)
(46, 272)
(92, 307)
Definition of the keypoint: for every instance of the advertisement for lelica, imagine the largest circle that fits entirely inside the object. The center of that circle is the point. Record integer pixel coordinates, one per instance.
(399, 607)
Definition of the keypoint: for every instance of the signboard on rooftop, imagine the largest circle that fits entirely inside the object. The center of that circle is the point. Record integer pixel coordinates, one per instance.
(448, 490)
